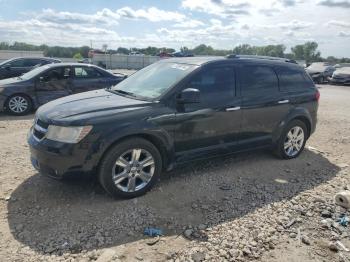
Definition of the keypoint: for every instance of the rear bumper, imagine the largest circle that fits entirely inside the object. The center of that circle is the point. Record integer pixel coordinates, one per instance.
(56, 159)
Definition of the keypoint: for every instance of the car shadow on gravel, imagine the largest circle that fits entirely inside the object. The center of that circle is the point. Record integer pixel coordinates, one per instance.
(7, 117)
(55, 217)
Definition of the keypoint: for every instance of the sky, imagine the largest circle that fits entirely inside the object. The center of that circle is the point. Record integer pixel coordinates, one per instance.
(222, 24)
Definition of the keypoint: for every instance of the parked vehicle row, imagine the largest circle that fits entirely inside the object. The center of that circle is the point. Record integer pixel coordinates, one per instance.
(322, 72)
(18, 66)
(19, 95)
(341, 76)
(171, 112)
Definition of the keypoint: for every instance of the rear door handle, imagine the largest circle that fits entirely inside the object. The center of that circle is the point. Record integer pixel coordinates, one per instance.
(286, 101)
(233, 108)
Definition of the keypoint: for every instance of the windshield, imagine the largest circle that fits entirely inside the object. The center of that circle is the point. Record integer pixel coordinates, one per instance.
(34, 72)
(154, 80)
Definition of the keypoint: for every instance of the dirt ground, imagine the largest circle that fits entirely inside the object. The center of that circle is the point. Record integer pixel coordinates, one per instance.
(250, 206)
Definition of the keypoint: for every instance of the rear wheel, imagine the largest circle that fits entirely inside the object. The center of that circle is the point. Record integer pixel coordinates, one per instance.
(19, 105)
(292, 140)
(130, 168)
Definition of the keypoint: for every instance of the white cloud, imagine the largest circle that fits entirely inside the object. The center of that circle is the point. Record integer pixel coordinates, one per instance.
(222, 8)
(105, 16)
(338, 23)
(152, 14)
(294, 25)
(191, 23)
(344, 34)
(335, 3)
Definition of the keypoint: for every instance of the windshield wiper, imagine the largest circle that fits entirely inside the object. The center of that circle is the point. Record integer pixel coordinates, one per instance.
(122, 92)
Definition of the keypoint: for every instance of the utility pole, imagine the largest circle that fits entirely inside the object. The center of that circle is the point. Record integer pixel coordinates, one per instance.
(105, 49)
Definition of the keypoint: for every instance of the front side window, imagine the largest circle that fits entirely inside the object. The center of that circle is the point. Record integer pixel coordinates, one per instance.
(155, 79)
(258, 80)
(216, 85)
(17, 63)
(56, 74)
(86, 72)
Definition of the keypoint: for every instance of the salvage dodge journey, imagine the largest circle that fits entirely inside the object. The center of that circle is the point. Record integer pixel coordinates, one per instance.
(174, 111)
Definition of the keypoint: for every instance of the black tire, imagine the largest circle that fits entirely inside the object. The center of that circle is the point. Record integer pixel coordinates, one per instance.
(279, 149)
(109, 162)
(27, 101)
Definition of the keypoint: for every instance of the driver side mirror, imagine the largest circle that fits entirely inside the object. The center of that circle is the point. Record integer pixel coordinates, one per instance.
(43, 79)
(189, 96)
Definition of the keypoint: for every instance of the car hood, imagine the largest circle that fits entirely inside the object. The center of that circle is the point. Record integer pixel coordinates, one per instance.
(343, 72)
(11, 81)
(87, 107)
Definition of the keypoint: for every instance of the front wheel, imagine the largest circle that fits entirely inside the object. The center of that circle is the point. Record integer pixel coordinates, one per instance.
(130, 168)
(19, 105)
(292, 140)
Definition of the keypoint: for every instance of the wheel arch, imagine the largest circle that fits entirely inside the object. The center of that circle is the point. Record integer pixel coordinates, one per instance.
(306, 121)
(158, 142)
(298, 114)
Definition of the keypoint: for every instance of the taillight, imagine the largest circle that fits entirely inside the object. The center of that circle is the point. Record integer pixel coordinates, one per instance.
(317, 95)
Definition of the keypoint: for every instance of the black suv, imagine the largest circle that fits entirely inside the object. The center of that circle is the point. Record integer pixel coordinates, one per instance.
(174, 111)
(18, 66)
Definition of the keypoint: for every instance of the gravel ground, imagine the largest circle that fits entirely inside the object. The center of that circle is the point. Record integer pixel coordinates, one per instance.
(250, 206)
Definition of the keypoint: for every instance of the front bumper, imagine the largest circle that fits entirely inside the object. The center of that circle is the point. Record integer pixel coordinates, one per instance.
(340, 80)
(57, 159)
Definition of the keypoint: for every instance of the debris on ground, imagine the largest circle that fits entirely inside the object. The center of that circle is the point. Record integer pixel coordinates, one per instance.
(343, 220)
(152, 232)
(343, 199)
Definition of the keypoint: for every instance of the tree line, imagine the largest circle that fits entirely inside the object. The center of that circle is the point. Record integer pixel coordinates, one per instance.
(308, 51)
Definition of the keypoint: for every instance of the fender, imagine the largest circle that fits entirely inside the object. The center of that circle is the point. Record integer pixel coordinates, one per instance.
(297, 112)
(150, 129)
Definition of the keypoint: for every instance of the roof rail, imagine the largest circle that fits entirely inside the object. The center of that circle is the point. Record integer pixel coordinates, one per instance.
(262, 58)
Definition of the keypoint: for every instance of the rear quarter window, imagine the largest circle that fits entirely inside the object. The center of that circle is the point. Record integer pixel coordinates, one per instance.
(293, 80)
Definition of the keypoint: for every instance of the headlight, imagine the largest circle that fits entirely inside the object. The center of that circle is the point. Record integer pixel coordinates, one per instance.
(72, 134)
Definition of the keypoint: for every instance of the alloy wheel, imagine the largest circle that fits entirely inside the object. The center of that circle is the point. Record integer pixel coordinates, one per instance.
(294, 141)
(18, 104)
(133, 170)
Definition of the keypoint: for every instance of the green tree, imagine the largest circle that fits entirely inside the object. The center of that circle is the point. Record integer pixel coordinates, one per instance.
(307, 52)
(78, 56)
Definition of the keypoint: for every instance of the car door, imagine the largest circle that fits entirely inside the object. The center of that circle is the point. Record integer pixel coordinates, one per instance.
(52, 84)
(211, 126)
(87, 78)
(263, 107)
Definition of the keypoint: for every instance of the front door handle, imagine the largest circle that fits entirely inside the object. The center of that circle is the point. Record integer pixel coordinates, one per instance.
(233, 108)
(286, 101)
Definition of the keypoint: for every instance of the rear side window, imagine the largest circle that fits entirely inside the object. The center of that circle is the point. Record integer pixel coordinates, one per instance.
(257, 80)
(293, 79)
(32, 62)
(86, 72)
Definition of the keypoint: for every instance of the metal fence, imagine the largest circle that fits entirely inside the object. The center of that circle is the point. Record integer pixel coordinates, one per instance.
(109, 61)
(123, 61)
